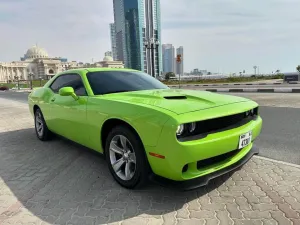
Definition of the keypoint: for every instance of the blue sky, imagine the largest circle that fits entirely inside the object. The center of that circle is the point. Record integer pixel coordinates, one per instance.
(219, 35)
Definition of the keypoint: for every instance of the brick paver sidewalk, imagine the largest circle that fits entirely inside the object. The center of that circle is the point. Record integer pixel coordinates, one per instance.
(60, 183)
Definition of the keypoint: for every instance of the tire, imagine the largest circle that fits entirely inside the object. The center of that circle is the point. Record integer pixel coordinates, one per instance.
(41, 129)
(137, 175)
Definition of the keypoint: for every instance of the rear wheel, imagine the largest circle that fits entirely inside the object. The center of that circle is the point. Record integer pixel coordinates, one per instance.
(41, 129)
(126, 158)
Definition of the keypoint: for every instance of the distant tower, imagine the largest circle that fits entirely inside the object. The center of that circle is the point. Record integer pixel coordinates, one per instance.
(254, 67)
(168, 55)
(113, 40)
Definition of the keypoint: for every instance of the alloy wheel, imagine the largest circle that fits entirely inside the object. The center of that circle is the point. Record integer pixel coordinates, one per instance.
(39, 125)
(122, 157)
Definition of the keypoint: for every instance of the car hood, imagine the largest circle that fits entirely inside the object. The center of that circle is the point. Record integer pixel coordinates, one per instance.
(178, 101)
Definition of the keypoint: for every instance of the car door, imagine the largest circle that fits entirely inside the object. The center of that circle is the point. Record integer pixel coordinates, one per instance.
(68, 116)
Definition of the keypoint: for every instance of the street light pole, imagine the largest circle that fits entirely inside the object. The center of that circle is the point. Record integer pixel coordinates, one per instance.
(17, 79)
(30, 77)
(152, 44)
(178, 60)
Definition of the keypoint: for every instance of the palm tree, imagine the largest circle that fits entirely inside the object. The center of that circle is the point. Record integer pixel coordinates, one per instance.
(169, 75)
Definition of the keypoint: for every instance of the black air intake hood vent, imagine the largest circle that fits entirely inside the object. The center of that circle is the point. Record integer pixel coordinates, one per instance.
(175, 97)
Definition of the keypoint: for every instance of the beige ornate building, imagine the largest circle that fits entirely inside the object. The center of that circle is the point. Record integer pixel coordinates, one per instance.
(109, 62)
(106, 62)
(36, 64)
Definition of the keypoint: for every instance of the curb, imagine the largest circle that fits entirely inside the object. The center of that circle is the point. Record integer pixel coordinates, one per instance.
(277, 161)
(261, 90)
(21, 91)
(227, 84)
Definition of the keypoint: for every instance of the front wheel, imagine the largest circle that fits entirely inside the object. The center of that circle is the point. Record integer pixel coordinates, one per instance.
(41, 129)
(126, 158)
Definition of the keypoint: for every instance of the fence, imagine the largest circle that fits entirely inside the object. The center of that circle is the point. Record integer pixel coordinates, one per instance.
(20, 84)
(221, 79)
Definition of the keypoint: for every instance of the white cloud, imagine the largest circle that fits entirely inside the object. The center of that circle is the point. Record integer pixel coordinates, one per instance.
(72, 29)
(234, 35)
(226, 35)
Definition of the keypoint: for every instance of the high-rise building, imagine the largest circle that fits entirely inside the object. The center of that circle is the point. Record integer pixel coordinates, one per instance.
(138, 34)
(179, 66)
(168, 55)
(113, 40)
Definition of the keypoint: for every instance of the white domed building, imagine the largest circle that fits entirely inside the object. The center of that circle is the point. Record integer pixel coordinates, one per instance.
(109, 62)
(36, 53)
(36, 64)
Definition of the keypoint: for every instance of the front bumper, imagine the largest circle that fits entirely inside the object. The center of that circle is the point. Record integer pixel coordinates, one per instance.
(183, 161)
(203, 180)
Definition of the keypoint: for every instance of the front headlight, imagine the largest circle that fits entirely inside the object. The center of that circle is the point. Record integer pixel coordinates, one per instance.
(186, 128)
(192, 127)
(180, 129)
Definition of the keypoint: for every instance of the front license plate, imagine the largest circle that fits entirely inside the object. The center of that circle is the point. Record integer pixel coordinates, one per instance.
(245, 139)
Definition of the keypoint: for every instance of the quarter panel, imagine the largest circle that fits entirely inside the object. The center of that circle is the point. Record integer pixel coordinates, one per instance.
(40, 97)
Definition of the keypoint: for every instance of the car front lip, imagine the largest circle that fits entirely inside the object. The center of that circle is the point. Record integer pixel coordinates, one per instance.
(203, 180)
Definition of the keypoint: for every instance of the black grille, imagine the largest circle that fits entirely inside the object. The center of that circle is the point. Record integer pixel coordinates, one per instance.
(217, 159)
(222, 123)
(206, 127)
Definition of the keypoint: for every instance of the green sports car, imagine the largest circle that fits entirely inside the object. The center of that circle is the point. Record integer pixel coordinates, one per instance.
(147, 131)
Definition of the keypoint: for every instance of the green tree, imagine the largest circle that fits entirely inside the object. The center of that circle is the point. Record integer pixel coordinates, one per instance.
(169, 75)
(298, 68)
(209, 73)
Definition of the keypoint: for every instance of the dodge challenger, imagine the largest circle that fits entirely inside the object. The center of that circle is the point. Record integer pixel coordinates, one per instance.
(146, 130)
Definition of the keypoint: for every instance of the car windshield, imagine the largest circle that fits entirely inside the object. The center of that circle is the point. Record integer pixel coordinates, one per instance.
(106, 82)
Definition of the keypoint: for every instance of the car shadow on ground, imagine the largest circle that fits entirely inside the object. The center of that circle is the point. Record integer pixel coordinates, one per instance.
(59, 182)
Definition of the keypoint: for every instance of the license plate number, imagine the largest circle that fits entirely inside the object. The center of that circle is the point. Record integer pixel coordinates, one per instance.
(245, 139)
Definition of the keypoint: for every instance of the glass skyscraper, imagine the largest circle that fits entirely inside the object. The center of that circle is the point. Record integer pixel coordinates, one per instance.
(136, 23)
(113, 40)
(168, 57)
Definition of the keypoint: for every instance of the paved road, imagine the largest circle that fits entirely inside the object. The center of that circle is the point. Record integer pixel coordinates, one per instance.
(58, 182)
(280, 137)
(15, 96)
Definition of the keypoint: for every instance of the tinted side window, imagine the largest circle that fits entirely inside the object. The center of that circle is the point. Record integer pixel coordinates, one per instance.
(69, 80)
(58, 83)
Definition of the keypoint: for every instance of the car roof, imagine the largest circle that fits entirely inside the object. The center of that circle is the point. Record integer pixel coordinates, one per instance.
(98, 69)
(95, 69)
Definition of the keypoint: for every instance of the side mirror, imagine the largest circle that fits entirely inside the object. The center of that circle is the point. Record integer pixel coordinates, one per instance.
(68, 91)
